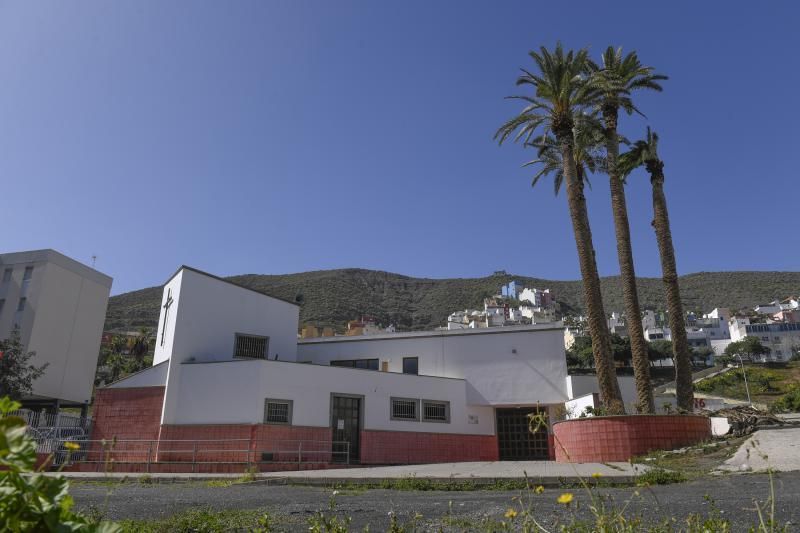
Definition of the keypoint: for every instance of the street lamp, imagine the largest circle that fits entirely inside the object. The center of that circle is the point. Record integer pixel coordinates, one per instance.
(746, 386)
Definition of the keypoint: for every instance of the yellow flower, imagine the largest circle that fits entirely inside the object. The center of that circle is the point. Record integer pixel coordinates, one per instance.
(565, 498)
(72, 446)
(597, 475)
(511, 513)
(539, 489)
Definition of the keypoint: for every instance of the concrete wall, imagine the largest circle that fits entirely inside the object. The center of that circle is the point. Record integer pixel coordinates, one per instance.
(578, 386)
(234, 392)
(62, 320)
(519, 365)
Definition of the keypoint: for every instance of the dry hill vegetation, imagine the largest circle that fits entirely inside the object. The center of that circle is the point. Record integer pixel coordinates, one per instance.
(332, 297)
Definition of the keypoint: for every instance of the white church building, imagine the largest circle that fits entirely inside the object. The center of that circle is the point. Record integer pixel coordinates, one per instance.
(229, 365)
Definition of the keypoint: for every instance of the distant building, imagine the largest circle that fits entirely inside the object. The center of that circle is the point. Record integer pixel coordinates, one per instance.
(780, 337)
(59, 306)
(538, 298)
(511, 289)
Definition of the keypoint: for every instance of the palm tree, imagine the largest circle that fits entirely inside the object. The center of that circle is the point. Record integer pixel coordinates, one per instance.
(559, 93)
(613, 83)
(645, 153)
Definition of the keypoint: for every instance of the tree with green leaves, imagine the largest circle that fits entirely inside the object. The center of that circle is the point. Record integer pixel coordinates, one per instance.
(559, 94)
(645, 153)
(17, 373)
(613, 82)
(749, 348)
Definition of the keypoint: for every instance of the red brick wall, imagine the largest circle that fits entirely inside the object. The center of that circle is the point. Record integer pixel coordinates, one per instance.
(133, 413)
(618, 438)
(405, 447)
(125, 415)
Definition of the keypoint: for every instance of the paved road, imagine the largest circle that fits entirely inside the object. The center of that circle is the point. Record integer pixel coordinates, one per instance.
(778, 449)
(733, 494)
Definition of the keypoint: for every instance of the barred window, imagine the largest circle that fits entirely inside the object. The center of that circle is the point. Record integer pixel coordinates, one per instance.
(250, 346)
(404, 409)
(368, 364)
(435, 411)
(277, 411)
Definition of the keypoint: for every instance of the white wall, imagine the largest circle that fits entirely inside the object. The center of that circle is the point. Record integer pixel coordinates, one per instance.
(62, 321)
(578, 386)
(234, 392)
(204, 318)
(485, 358)
(149, 377)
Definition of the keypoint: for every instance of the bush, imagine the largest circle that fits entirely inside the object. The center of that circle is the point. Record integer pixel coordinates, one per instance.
(30, 500)
(789, 402)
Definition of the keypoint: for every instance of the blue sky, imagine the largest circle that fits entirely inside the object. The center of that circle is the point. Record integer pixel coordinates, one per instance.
(275, 137)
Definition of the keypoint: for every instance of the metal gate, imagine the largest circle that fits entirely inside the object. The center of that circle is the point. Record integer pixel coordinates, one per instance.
(346, 423)
(515, 439)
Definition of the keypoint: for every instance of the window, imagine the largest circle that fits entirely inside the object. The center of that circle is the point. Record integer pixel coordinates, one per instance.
(368, 364)
(433, 411)
(7, 275)
(28, 274)
(2, 303)
(404, 409)
(410, 365)
(277, 411)
(21, 304)
(250, 346)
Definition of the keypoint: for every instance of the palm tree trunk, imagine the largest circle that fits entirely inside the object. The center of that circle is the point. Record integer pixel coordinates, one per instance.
(680, 345)
(633, 314)
(610, 394)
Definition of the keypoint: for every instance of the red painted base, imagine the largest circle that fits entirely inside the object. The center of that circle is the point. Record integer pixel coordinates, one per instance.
(618, 438)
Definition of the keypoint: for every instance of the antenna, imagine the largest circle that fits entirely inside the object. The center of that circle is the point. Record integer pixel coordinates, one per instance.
(94, 260)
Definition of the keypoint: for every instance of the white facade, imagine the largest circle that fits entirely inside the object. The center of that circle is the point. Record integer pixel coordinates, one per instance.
(60, 307)
(473, 371)
(780, 337)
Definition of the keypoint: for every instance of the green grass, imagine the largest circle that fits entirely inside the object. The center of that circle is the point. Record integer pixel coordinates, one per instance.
(207, 521)
(767, 385)
(420, 484)
(697, 461)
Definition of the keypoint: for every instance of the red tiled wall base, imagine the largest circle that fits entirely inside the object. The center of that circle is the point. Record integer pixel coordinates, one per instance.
(245, 443)
(405, 447)
(127, 413)
(618, 438)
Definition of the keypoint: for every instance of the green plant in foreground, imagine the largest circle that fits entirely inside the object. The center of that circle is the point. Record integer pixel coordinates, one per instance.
(29, 499)
(659, 476)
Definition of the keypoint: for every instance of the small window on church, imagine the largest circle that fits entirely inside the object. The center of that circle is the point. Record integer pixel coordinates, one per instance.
(277, 411)
(250, 346)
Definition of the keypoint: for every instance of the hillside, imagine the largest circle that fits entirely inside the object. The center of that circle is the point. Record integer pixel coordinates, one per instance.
(332, 297)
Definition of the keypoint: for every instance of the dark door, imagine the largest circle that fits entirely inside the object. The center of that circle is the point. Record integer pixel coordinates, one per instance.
(346, 423)
(515, 439)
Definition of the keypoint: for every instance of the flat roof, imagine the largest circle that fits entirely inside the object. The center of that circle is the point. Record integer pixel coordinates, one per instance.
(317, 365)
(49, 255)
(443, 333)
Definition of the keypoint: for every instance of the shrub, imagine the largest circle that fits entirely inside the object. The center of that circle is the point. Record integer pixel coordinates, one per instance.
(789, 402)
(31, 500)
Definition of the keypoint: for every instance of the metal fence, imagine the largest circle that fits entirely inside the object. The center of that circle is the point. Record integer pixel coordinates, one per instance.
(50, 429)
(197, 455)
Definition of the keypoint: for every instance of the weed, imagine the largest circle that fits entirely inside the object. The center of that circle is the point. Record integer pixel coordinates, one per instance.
(659, 476)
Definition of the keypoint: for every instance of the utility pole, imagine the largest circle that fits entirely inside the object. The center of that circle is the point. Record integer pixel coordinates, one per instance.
(746, 386)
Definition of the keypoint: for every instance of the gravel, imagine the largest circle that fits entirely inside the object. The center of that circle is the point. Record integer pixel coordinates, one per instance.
(733, 495)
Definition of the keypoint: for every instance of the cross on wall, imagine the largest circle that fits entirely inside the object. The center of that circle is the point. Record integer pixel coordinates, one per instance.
(166, 306)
